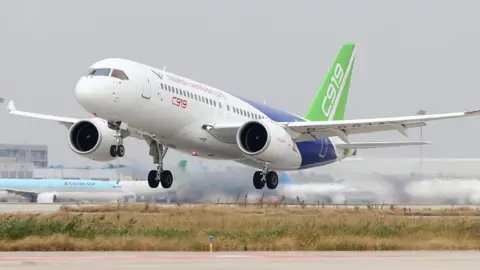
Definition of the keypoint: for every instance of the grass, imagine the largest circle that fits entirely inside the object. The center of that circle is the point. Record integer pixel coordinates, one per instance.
(146, 227)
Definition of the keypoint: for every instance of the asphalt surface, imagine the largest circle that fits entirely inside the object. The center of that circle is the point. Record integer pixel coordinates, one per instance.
(464, 260)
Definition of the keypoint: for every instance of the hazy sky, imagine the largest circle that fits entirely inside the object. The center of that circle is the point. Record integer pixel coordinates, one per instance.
(413, 54)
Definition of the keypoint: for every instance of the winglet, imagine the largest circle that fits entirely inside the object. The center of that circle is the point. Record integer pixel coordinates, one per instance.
(11, 106)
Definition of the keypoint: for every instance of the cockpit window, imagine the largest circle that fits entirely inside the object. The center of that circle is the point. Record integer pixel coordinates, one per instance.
(119, 74)
(100, 72)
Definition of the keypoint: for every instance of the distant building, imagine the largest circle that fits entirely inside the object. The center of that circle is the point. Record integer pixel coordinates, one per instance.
(11, 168)
(27, 153)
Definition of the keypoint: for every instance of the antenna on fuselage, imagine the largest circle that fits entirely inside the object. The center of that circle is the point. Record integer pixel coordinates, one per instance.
(265, 102)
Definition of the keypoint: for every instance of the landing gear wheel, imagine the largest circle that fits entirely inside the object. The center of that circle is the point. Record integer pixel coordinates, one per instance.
(166, 178)
(155, 177)
(258, 182)
(272, 180)
(113, 150)
(153, 181)
(120, 150)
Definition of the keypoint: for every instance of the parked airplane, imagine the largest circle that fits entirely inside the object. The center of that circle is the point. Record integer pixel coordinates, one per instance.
(57, 190)
(170, 111)
(337, 192)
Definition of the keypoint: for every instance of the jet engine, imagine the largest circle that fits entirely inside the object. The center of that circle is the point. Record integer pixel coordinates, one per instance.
(268, 142)
(92, 139)
(46, 197)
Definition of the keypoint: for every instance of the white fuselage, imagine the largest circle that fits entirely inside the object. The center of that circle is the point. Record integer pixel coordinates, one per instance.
(50, 190)
(174, 109)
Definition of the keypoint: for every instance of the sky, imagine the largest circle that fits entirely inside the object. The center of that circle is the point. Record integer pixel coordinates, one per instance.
(412, 55)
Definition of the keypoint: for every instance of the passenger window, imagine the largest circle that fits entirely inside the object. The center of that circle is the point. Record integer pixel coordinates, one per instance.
(219, 105)
(203, 99)
(211, 102)
(100, 72)
(195, 95)
(119, 74)
(176, 90)
(228, 108)
(214, 103)
(162, 86)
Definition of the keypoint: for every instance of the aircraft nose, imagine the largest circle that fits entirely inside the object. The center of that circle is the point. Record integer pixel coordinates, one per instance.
(92, 93)
(83, 91)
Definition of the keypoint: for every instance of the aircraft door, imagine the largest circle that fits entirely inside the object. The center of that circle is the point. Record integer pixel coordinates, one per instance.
(147, 89)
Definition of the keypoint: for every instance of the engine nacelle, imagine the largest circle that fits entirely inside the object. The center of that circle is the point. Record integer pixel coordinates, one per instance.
(48, 197)
(92, 138)
(268, 142)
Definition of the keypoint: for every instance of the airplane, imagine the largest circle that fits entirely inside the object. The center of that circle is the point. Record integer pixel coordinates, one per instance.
(58, 190)
(336, 192)
(130, 99)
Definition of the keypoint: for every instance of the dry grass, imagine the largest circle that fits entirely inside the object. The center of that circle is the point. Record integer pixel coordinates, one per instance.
(275, 208)
(141, 227)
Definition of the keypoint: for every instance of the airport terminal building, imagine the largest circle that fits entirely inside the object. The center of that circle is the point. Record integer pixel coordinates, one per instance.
(20, 160)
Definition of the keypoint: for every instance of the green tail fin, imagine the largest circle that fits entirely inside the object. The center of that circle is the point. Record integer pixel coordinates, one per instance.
(331, 99)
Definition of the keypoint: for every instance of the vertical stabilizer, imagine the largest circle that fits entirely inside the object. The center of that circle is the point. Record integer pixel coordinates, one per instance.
(331, 99)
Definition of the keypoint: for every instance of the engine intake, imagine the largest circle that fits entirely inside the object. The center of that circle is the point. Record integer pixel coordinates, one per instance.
(268, 142)
(84, 137)
(92, 139)
(253, 137)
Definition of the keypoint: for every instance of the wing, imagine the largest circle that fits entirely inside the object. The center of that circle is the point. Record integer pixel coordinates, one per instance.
(68, 121)
(368, 145)
(312, 130)
(24, 193)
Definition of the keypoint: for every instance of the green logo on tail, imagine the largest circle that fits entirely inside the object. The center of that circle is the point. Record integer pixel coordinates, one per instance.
(331, 99)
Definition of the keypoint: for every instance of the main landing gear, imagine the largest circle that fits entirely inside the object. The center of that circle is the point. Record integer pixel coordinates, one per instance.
(260, 178)
(118, 150)
(155, 177)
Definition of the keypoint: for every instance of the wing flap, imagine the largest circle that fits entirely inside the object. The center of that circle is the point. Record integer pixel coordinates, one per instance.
(20, 192)
(342, 128)
(331, 132)
(369, 145)
(312, 130)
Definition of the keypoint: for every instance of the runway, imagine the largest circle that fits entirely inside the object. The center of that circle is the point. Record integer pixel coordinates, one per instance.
(239, 261)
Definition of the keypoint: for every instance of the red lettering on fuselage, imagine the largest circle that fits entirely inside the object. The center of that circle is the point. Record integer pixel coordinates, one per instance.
(196, 86)
(179, 102)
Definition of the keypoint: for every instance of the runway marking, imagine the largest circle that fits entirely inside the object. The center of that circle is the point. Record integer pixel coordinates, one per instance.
(203, 256)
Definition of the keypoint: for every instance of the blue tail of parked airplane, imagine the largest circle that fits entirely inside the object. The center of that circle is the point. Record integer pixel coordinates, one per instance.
(284, 179)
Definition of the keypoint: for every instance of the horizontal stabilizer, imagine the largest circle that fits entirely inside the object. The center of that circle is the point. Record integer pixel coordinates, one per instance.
(367, 145)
